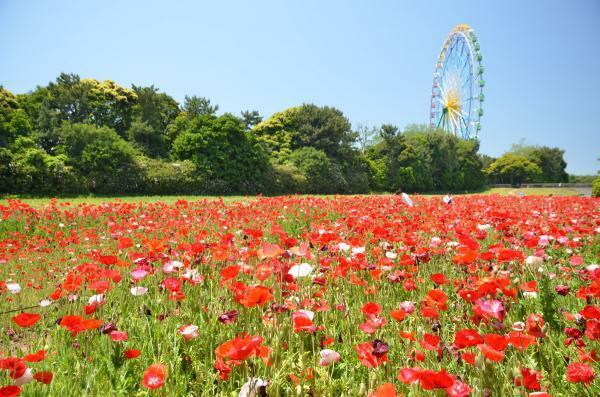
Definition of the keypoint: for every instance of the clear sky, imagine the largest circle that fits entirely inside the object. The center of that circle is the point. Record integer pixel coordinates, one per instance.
(374, 60)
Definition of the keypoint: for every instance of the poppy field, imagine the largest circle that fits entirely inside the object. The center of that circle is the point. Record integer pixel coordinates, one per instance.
(302, 296)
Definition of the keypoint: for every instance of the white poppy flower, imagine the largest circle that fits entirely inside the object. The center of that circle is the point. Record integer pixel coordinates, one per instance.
(301, 270)
(138, 291)
(25, 378)
(13, 288)
(252, 387)
(328, 356)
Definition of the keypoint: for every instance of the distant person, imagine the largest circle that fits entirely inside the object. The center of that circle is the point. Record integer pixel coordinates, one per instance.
(407, 200)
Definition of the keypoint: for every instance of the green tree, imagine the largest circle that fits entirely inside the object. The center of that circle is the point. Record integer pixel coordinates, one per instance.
(14, 121)
(77, 100)
(388, 132)
(105, 159)
(251, 118)
(470, 166)
(227, 157)
(153, 113)
(199, 106)
(319, 171)
(34, 171)
(323, 128)
(550, 160)
(514, 169)
(596, 188)
(150, 141)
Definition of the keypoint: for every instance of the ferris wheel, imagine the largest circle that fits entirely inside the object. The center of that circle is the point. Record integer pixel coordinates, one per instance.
(457, 91)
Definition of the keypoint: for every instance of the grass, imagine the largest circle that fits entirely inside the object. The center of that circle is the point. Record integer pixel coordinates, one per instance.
(74, 201)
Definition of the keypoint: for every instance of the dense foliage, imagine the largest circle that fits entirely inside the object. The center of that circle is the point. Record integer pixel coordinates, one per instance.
(85, 136)
(596, 188)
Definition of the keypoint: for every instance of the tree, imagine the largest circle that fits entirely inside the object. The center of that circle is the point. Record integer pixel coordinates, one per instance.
(596, 188)
(150, 141)
(227, 156)
(105, 159)
(153, 113)
(550, 160)
(514, 169)
(251, 118)
(365, 136)
(323, 128)
(198, 106)
(33, 170)
(388, 132)
(318, 170)
(14, 121)
(470, 165)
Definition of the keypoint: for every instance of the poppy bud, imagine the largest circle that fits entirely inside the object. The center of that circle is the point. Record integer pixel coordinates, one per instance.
(362, 390)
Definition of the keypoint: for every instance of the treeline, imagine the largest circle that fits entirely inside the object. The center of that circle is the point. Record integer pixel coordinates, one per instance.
(79, 136)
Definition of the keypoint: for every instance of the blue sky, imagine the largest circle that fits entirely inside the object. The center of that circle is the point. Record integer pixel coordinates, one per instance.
(374, 60)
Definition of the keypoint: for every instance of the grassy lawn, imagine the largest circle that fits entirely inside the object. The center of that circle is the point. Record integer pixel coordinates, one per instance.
(534, 191)
(73, 201)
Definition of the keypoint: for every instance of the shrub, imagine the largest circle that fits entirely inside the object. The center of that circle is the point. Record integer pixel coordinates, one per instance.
(318, 170)
(596, 188)
(163, 177)
(105, 159)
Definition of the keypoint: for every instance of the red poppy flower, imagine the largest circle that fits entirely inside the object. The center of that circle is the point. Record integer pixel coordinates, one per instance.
(154, 376)
(125, 242)
(467, 337)
(131, 353)
(240, 348)
(302, 322)
(229, 273)
(371, 309)
(255, 296)
(436, 298)
(590, 312)
(398, 315)
(530, 379)
(76, 324)
(430, 380)
(366, 356)
(521, 341)
(430, 342)
(44, 377)
(458, 389)
(118, 336)
(490, 353)
(498, 342)
(172, 284)
(580, 373)
(592, 329)
(35, 357)
(26, 320)
(439, 278)
(386, 390)
(107, 259)
(409, 375)
(15, 367)
(10, 391)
